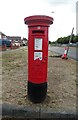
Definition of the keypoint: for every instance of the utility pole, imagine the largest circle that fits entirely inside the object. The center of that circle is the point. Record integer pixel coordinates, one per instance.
(70, 39)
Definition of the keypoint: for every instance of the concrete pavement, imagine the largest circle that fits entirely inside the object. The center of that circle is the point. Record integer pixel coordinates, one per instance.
(14, 111)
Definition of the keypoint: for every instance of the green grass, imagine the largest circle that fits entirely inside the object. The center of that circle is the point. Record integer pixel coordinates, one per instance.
(14, 59)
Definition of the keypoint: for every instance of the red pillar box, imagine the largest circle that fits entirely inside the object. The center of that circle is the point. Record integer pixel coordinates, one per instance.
(37, 56)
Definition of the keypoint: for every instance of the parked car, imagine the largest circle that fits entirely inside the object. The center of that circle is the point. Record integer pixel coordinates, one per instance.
(5, 42)
(17, 43)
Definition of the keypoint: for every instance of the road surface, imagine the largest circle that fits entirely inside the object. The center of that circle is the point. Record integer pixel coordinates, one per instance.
(72, 53)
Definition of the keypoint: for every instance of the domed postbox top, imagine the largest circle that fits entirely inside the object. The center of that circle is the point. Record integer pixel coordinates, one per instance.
(35, 20)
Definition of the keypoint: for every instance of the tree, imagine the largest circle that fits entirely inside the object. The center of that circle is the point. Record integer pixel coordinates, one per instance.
(49, 42)
(59, 40)
(75, 39)
(65, 40)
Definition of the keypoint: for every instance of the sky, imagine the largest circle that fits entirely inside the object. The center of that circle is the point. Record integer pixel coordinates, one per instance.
(13, 12)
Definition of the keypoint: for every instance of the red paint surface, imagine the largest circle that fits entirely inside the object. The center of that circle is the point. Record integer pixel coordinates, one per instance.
(38, 28)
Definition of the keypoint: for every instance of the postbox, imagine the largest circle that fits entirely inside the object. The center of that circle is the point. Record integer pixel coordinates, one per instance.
(37, 56)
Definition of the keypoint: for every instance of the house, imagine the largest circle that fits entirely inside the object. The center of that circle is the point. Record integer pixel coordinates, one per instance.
(14, 38)
(2, 36)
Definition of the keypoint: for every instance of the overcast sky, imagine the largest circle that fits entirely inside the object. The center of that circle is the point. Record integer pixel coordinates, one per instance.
(13, 12)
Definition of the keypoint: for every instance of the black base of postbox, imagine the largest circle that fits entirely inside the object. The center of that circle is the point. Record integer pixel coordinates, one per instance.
(37, 92)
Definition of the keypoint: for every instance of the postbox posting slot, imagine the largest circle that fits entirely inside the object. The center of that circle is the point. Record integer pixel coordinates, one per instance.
(38, 31)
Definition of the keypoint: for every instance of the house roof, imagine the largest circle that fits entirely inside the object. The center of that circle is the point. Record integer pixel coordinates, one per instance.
(2, 33)
(14, 37)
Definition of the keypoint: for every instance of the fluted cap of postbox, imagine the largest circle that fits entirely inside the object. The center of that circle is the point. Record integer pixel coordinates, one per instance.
(42, 20)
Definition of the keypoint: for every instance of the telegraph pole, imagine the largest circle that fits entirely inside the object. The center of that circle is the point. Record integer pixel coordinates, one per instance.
(70, 39)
